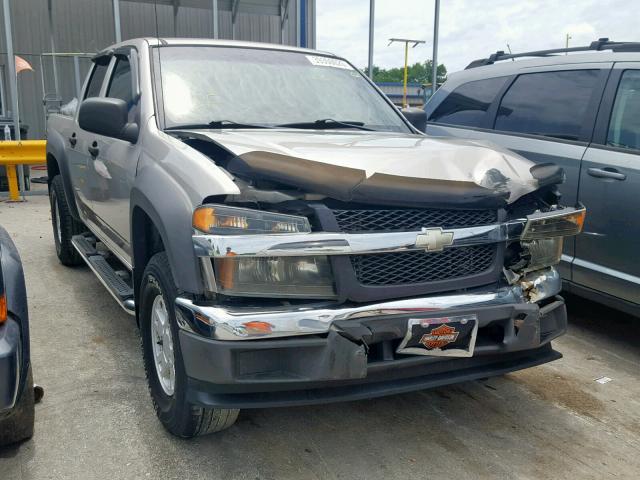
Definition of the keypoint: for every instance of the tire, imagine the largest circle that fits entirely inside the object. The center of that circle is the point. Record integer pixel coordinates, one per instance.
(67, 226)
(176, 414)
(18, 426)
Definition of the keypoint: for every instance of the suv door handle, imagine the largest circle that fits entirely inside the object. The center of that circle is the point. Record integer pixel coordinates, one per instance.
(606, 173)
(73, 140)
(94, 150)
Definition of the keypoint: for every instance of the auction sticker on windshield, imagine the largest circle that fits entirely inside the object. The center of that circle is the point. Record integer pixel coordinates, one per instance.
(328, 62)
(444, 336)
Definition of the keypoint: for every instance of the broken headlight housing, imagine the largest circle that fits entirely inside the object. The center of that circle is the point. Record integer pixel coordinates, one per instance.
(275, 277)
(542, 238)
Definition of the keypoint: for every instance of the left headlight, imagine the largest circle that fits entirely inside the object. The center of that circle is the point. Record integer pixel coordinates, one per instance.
(308, 277)
(278, 277)
(225, 220)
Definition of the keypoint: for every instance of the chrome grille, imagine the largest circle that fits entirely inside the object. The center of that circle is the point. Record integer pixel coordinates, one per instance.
(387, 220)
(421, 267)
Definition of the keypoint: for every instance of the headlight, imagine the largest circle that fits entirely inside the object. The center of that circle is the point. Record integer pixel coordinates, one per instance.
(308, 277)
(560, 223)
(543, 252)
(224, 220)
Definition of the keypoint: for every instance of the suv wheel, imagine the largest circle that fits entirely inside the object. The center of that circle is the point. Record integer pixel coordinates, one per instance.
(64, 225)
(162, 356)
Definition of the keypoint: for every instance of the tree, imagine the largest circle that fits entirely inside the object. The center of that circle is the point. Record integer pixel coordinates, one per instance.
(416, 73)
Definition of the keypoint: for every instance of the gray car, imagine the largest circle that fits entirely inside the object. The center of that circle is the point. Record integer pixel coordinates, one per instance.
(582, 112)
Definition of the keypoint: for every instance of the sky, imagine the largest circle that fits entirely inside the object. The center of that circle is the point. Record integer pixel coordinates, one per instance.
(469, 29)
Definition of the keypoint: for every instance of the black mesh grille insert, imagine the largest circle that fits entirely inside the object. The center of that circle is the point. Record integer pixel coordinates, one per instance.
(410, 219)
(420, 267)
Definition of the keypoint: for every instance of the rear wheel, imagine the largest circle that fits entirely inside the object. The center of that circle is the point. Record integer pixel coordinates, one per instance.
(18, 425)
(64, 225)
(162, 356)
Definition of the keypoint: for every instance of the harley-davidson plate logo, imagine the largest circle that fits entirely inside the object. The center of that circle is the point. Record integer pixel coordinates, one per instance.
(439, 337)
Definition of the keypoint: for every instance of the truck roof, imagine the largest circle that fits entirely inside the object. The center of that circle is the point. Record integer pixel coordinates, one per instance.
(168, 41)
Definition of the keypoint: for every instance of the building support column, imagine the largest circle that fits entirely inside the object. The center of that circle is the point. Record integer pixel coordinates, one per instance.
(116, 21)
(13, 84)
(54, 61)
(234, 14)
(284, 14)
(216, 21)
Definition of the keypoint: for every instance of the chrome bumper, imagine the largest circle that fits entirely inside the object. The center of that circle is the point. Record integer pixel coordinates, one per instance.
(227, 323)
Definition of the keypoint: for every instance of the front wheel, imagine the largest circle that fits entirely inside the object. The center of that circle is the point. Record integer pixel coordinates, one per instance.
(162, 356)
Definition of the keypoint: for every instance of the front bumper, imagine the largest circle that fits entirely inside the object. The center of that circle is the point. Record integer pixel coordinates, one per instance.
(9, 364)
(346, 353)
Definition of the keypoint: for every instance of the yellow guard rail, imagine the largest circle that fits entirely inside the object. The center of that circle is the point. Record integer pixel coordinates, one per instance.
(24, 152)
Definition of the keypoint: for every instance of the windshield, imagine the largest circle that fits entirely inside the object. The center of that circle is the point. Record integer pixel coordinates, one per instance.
(267, 87)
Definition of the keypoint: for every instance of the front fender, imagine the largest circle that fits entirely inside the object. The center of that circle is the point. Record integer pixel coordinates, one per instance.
(168, 206)
(56, 153)
(16, 293)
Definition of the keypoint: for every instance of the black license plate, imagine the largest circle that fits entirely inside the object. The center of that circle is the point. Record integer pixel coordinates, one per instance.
(444, 336)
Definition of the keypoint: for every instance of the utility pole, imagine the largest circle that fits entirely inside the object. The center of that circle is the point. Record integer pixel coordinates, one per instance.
(372, 8)
(406, 62)
(566, 43)
(434, 67)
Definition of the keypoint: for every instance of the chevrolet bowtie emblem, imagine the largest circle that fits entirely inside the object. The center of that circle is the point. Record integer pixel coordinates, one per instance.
(434, 239)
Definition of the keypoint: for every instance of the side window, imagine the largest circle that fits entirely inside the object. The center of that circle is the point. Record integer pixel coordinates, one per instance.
(467, 105)
(95, 82)
(120, 85)
(624, 126)
(552, 104)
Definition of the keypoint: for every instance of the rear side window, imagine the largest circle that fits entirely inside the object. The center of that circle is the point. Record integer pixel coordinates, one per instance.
(467, 105)
(624, 126)
(121, 83)
(95, 82)
(552, 104)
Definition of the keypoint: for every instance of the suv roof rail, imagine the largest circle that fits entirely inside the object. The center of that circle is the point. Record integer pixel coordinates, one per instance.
(598, 45)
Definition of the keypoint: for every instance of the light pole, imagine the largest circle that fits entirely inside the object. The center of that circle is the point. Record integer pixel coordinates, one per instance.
(406, 42)
(372, 8)
(434, 67)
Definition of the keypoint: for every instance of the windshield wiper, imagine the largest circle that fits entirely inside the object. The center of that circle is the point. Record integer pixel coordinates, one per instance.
(217, 124)
(327, 123)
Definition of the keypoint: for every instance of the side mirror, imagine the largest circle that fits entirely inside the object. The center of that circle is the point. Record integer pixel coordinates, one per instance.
(108, 117)
(416, 117)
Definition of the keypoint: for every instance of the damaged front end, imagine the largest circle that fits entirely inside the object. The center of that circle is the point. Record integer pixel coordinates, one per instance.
(343, 256)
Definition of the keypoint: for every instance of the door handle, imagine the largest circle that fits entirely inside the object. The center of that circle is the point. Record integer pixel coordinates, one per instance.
(94, 150)
(73, 140)
(606, 172)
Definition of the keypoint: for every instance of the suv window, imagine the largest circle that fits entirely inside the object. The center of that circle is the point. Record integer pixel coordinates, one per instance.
(95, 82)
(468, 104)
(553, 104)
(121, 83)
(624, 126)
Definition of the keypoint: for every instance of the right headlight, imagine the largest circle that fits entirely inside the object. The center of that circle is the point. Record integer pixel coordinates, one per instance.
(557, 223)
(307, 277)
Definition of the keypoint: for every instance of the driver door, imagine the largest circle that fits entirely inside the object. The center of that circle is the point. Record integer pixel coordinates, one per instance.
(113, 162)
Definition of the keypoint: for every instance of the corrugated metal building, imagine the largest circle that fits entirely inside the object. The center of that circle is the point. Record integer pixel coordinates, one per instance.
(86, 26)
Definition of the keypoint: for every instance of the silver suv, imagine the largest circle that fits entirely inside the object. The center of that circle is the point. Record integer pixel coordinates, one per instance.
(582, 112)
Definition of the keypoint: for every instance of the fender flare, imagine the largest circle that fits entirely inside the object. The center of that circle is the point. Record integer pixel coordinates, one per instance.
(168, 206)
(56, 150)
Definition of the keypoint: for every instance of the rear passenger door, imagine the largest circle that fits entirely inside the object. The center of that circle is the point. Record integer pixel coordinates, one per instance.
(608, 250)
(546, 116)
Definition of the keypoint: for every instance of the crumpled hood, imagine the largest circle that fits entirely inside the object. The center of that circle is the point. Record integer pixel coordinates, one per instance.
(354, 166)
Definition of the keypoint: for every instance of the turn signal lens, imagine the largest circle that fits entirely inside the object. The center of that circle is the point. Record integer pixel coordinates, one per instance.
(225, 220)
(257, 328)
(3, 309)
(560, 223)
